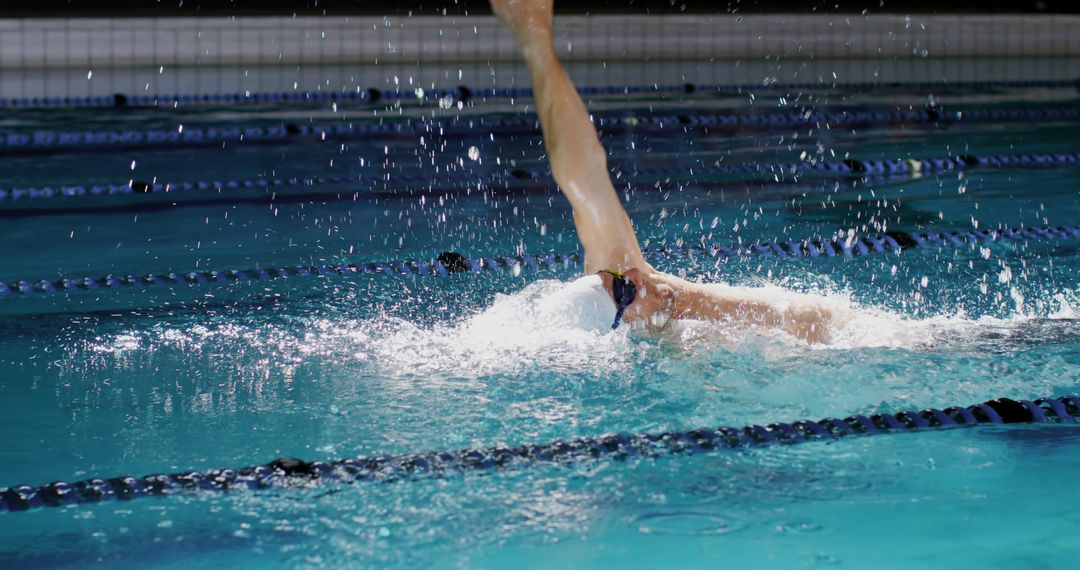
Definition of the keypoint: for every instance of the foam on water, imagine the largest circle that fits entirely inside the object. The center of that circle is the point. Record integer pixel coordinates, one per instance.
(551, 325)
(547, 325)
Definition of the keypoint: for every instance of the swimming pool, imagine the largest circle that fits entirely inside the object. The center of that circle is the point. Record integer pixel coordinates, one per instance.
(170, 377)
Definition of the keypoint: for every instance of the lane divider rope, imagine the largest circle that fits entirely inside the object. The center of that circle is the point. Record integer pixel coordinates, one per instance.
(844, 167)
(463, 93)
(17, 142)
(450, 263)
(290, 472)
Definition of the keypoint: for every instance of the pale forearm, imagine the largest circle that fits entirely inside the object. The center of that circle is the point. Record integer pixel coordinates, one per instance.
(799, 316)
(573, 147)
(578, 161)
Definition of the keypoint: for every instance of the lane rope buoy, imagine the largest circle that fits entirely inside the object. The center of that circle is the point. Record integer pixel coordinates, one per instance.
(214, 136)
(464, 93)
(853, 246)
(847, 168)
(291, 472)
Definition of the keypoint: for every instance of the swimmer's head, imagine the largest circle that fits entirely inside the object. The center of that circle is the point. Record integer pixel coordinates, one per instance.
(583, 302)
(600, 301)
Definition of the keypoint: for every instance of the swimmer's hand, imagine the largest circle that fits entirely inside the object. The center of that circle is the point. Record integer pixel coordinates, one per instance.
(526, 18)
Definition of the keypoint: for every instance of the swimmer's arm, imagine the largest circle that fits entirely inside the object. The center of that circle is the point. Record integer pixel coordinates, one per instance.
(578, 161)
(803, 319)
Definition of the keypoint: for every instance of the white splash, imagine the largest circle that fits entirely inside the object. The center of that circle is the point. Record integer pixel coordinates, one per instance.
(544, 327)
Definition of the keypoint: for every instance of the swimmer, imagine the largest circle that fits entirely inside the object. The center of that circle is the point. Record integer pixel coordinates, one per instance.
(643, 297)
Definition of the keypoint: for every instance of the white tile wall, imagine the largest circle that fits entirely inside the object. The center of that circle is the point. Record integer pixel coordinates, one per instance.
(53, 56)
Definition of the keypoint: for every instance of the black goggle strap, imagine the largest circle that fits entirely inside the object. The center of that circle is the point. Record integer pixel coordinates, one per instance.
(619, 289)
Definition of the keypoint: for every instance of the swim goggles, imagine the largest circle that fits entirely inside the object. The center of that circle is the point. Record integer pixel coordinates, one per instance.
(622, 291)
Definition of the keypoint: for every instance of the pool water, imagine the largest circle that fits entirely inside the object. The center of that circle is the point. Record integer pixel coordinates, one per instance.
(148, 381)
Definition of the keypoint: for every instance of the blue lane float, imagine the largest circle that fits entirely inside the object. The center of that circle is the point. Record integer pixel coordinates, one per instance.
(54, 141)
(849, 167)
(450, 263)
(16, 194)
(463, 93)
(288, 472)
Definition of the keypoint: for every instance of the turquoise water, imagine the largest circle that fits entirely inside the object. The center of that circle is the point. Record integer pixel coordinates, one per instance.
(144, 382)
